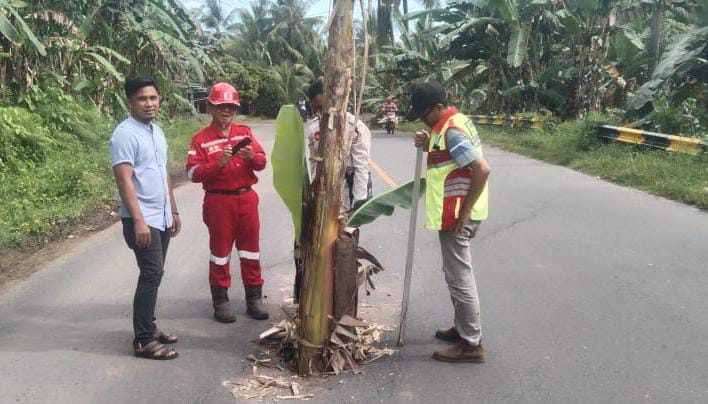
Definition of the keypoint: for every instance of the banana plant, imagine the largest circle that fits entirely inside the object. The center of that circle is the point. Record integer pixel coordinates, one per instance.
(290, 176)
(384, 204)
(88, 47)
(20, 33)
(76, 64)
(685, 61)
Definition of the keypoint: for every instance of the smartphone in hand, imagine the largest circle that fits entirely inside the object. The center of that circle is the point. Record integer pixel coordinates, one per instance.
(240, 145)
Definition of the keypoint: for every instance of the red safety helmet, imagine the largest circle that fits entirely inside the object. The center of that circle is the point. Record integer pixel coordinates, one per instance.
(224, 93)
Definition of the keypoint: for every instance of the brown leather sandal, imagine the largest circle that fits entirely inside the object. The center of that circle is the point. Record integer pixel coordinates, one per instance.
(154, 350)
(165, 338)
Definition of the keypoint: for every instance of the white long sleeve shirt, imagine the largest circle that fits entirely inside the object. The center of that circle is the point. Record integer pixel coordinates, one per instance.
(358, 159)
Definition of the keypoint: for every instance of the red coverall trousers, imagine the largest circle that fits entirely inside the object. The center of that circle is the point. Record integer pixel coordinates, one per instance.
(233, 219)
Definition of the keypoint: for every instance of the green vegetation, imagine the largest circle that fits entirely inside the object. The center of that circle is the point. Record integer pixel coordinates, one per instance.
(62, 66)
(55, 163)
(576, 145)
(644, 59)
(63, 63)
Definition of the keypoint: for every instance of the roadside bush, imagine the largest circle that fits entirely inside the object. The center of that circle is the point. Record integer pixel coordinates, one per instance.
(174, 101)
(589, 129)
(23, 138)
(179, 133)
(65, 117)
(680, 120)
(246, 79)
(254, 84)
(40, 195)
(270, 97)
(36, 199)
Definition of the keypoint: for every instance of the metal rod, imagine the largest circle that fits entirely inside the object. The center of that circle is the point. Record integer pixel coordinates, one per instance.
(411, 245)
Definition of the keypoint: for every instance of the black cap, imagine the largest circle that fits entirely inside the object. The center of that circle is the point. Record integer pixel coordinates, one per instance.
(316, 88)
(134, 84)
(424, 96)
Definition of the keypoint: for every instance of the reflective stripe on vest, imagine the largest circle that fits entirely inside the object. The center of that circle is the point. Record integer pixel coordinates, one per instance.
(446, 183)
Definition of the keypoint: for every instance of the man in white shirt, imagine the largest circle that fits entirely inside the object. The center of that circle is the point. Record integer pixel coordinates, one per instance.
(357, 186)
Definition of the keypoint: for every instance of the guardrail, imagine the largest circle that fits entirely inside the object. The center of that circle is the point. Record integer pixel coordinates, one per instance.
(512, 121)
(680, 144)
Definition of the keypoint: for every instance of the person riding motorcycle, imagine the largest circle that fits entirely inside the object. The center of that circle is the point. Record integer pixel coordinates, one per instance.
(389, 106)
(390, 118)
(302, 108)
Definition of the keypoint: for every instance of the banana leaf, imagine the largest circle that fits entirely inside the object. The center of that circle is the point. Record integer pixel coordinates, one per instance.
(518, 44)
(288, 160)
(507, 9)
(685, 50)
(384, 204)
(8, 31)
(28, 33)
(107, 66)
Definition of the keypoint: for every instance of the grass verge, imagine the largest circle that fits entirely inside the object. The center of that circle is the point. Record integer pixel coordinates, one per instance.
(680, 177)
(411, 126)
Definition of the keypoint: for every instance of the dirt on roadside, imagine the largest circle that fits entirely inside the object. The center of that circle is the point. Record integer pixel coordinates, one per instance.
(19, 262)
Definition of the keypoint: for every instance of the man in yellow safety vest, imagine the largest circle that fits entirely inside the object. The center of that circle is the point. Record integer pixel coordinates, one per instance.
(456, 202)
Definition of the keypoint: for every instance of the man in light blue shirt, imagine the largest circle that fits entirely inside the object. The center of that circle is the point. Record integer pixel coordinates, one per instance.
(147, 209)
(143, 146)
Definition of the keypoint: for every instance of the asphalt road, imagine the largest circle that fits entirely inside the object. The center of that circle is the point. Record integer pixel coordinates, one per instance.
(591, 293)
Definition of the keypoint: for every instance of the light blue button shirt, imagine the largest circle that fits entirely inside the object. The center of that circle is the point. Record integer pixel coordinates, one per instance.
(462, 150)
(144, 147)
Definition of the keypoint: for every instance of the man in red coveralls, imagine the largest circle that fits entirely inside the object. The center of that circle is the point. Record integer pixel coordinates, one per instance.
(230, 208)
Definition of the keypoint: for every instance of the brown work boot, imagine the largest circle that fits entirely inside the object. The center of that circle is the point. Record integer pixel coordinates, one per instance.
(449, 334)
(254, 302)
(223, 312)
(461, 352)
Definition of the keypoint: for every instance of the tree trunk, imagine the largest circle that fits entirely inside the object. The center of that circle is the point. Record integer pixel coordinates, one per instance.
(405, 11)
(4, 47)
(384, 23)
(346, 290)
(656, 25)
(316, 298)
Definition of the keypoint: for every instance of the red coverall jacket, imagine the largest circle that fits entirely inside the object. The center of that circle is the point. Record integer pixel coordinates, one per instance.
(231, 218)
(205, 152)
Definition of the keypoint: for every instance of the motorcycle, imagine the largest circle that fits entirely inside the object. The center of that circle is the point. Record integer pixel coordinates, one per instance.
(303, 112)
(389, 121)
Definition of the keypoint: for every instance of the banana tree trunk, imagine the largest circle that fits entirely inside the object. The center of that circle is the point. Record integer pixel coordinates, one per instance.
(322, 227)
(656, 32)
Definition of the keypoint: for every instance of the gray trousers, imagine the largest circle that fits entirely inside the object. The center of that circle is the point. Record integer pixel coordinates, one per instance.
(151, 261)
(457, 266)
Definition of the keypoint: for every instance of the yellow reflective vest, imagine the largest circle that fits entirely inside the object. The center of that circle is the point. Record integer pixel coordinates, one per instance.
(446, 183)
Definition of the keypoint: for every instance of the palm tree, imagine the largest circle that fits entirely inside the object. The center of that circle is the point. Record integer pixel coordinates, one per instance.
(294, 36)
(215, 17)
(294, 79)
(384, 22)
(251, 33)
